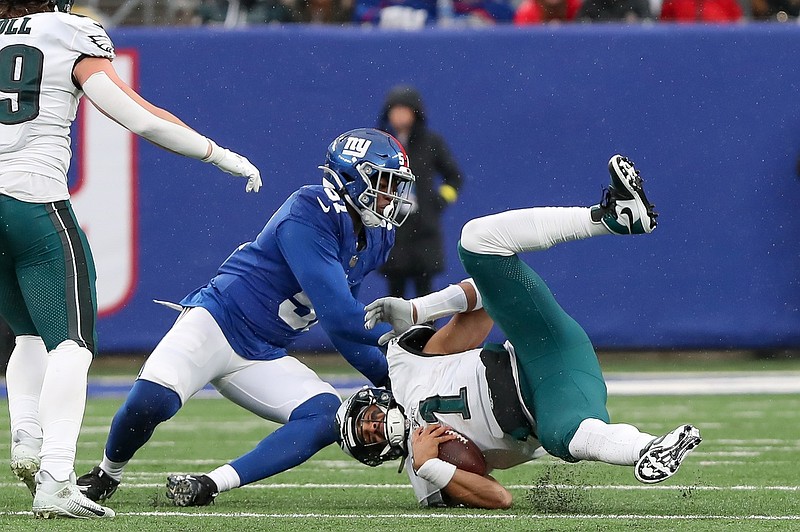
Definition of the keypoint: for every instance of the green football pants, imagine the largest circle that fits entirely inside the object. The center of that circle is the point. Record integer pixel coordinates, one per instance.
(47, 275)
(560, 377)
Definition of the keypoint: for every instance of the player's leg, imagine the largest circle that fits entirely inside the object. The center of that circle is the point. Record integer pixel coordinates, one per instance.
(282, 390)
(24, 378)
(192, 353)
(24, 374)
(654, 459)
(56, 277)
(560, 377)
(624, 209)
(550, 345)
(559, 373)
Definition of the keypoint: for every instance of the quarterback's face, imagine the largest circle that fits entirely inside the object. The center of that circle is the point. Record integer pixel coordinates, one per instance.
(371, 428)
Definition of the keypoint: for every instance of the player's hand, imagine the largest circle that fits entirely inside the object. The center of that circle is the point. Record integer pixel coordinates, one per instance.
(397, 312)
(425, 442)
(235, 164)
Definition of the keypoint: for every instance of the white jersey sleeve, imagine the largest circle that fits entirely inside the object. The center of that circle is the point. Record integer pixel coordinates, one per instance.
(38, 106)
(452, 390)
(89, 38)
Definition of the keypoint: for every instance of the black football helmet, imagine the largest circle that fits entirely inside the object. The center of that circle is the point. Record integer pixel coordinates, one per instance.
(395, 427)
(62, 6)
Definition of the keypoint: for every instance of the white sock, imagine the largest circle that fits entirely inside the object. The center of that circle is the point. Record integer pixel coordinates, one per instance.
(618, 444)
(61, 407)
(24, 377)
(534, 229)
(225, 477)
(113, 469)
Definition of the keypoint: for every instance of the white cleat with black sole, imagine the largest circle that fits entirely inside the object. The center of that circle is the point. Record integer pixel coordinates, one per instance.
(663, 456)
(625, 209)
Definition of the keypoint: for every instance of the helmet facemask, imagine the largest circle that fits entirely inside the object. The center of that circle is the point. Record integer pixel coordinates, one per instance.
(394, 185)
(351, 425)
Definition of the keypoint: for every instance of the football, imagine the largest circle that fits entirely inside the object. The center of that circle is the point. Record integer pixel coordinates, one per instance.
(463, 453)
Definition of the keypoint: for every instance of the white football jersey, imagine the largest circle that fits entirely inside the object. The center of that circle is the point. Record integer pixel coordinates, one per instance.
(38, 99)
(453, 390)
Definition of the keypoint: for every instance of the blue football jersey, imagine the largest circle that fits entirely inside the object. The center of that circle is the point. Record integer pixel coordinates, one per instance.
(305, 266)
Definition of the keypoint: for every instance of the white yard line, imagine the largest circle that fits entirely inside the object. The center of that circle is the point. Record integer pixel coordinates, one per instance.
(703, 384)
(608, 487)
(457, 517)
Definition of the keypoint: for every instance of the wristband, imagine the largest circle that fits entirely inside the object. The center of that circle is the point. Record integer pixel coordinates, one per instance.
(437, 472)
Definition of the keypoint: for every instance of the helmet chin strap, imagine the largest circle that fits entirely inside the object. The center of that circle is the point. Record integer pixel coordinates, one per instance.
(369, 218)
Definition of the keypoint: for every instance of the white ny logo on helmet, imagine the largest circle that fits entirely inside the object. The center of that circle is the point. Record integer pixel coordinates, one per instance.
(356, 146)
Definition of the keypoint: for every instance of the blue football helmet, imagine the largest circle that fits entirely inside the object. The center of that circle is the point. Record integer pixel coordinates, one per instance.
(350, 419)
(365, 163)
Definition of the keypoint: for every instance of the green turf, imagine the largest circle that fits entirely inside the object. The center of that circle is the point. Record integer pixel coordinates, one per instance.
(744, 476)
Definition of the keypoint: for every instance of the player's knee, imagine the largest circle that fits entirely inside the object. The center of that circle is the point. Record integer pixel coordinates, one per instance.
(486, 236)
(472, 235)
(555, 442)
(151, 401)
(319, 413)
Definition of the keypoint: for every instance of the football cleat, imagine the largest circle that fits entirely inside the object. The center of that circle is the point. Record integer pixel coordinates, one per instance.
(97, 485)
(191, 490)
(25, 464)
(624, 209)
(663, 456)
(64, 499)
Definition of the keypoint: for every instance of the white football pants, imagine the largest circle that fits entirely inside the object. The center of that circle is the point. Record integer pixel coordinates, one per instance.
(194, 352)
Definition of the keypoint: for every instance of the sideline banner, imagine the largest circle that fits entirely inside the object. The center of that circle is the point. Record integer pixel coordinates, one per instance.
(532, 115)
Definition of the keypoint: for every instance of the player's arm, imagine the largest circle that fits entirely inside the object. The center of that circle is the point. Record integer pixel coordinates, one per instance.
(367, 359)
(115, 99)
(457, 485)
(467, 329)
(312, 254)
(463, 332)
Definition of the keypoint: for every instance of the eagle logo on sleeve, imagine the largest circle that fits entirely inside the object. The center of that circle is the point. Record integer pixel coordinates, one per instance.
(102, 42)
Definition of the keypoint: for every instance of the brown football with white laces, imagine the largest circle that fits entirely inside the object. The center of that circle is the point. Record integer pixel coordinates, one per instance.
(463, 453)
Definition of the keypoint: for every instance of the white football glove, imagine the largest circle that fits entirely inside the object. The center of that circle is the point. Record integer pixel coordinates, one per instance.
(399, 313)
(235, 164)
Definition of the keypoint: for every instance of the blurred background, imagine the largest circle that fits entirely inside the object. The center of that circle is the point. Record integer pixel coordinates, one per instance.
(532, 98)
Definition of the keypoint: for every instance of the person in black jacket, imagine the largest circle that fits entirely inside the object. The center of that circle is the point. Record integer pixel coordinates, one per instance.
(418, 252)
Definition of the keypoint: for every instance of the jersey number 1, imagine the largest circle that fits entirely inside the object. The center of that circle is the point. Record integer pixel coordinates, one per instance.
(445, 404)
(21, 70)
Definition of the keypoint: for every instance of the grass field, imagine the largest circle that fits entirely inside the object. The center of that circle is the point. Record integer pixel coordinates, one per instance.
(744, 476)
